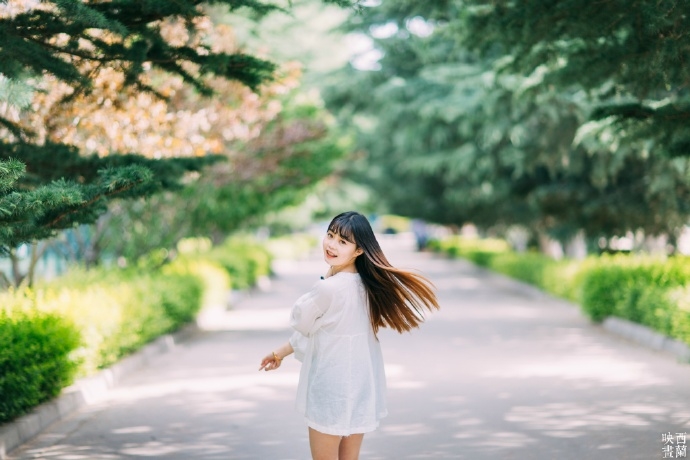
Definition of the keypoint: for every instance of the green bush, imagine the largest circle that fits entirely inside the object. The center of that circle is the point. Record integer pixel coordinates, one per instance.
(479, 251)
(528, 267)
(244, 259)
(216, 281)
(599, 300)
(36, 359)
(291, 246)
(116, 311)
(678, 315)
(642, 289)
(620, 285)
(563, 278)
(89, 319)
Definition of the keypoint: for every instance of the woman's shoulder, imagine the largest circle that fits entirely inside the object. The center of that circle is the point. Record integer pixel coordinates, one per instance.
(342, 278)
(338, 282)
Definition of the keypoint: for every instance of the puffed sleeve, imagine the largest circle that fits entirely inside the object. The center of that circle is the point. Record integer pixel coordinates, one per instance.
(310, 307)
(299, 345)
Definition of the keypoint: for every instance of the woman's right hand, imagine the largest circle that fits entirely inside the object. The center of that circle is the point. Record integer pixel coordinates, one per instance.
(270, 362)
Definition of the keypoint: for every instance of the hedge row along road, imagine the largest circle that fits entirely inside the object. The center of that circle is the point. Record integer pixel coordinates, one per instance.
(502, 371)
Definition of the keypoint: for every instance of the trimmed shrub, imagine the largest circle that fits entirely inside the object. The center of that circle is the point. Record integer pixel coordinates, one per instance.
(678, 315)
(216, 281)
(244, 259)
(87, 320)
(529, 267)
(36, 360)
(563, 278)
(642, 289)
(116, 311)
(479, 251)
(291, 246)
(619, 285)
(601, 291)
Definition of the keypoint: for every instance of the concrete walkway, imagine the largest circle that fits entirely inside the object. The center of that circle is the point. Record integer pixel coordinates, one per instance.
(501, 372)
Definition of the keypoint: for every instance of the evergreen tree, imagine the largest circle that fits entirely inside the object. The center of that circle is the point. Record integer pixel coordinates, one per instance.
(455, 131)
(71, 40)
(628, 56)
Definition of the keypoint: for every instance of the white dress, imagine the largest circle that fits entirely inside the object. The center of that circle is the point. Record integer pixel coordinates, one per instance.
(342, 383)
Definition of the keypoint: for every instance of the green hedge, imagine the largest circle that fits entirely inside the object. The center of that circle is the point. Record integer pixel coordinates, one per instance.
(115, 311)
(643, 289)
(244, 259)
(36, 359)
(87, 320)
(292, 246)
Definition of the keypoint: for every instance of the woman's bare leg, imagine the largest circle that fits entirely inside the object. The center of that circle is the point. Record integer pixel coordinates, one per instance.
(323, 446)
(349, 447)
(329, 447)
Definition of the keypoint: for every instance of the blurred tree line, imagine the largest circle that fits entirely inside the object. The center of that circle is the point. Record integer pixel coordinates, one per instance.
(560, 116)
(128, 125)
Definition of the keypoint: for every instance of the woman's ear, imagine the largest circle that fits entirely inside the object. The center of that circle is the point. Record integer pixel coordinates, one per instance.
(359, 251)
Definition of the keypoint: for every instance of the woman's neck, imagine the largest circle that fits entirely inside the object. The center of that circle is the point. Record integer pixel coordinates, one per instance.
(350, 268)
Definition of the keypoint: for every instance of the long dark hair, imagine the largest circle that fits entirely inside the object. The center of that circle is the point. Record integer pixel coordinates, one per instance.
(397, 298)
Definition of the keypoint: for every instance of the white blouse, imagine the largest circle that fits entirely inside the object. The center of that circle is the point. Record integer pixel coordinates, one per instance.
(342, 383)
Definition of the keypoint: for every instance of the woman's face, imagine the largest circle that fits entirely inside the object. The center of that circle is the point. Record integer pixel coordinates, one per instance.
(338, 251)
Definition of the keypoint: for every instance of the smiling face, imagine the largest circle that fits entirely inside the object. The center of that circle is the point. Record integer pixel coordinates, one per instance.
(338, 252)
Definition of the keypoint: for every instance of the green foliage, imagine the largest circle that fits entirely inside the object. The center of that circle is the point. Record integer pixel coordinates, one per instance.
(36, 359)
(598, 299)
(621, 286)
(60, 189)
(135, 42)
(15, 92)
(292, 246)
(641, 289)
(243, 259)
(57, 194)
(673, 313)
(633, 46)
(294, 152)
(557, 277)
(554, 115)
(87, 320)
(216, 280)
(36, 200)
(479, 251)
(117, 311)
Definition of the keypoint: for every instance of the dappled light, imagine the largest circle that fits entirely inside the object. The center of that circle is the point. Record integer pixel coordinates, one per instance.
(592, 370)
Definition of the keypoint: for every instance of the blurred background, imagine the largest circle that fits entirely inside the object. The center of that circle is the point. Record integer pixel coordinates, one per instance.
(155, 155)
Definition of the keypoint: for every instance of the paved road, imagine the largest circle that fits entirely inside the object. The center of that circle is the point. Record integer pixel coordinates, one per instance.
(501, 372)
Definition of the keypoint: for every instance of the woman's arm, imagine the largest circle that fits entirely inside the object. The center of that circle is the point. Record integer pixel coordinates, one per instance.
(273, 360)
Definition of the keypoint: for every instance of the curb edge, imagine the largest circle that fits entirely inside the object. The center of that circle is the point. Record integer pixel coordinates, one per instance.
(85, 391)
(647, 337)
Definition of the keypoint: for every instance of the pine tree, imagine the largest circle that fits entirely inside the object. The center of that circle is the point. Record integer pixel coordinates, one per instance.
(47, 186)
(482, 112)
(629, 56)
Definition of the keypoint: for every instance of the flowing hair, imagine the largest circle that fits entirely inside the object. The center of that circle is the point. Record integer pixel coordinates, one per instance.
(397, 298)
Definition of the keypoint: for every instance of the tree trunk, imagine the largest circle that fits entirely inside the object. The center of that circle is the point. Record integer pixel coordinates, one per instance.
(17, 276)
(576, 247)
(550, 247)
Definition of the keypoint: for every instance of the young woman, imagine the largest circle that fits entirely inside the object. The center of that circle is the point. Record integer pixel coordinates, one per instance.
(341, 389)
